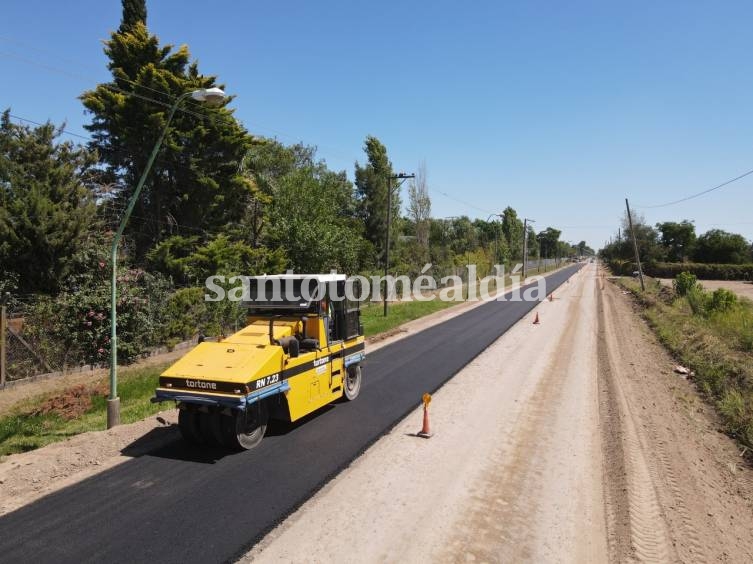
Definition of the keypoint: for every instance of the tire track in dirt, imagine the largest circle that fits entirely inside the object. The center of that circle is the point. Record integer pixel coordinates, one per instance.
(638, 467)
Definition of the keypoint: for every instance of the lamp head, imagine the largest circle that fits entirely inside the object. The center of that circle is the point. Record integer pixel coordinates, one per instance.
(213, 96)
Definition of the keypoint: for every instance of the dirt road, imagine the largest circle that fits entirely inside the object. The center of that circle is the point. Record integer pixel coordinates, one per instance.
(568, 441)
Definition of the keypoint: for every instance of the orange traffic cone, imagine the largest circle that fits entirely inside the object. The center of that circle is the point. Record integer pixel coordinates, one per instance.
(425, 431)
(536, 321)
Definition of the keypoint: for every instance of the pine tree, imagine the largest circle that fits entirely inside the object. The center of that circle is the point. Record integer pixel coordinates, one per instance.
(195, 185)
(134, 11)
(46, 211)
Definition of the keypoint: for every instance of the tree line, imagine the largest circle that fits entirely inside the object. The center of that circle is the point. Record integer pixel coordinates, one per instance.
(218, 200)
(677, 242)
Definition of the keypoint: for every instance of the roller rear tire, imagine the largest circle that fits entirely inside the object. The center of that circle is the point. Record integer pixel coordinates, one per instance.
(188, 421)
(245, 430)
(352, 383)
(209, 428)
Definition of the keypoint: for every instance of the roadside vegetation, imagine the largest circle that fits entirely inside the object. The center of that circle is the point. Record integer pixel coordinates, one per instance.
(672, 247)
(712, 334)
(54, 417)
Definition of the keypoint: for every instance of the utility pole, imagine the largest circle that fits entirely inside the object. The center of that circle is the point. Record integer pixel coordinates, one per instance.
(3, 336)
(635, 246)
(402, 177)
(525, 245)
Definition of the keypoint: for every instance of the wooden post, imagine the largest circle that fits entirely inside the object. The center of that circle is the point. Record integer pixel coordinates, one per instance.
(635, 246)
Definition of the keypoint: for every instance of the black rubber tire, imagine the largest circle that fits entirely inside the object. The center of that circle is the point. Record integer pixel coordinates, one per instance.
(352, 382)
(226, 428)
(208, 425)
(188, 421)
(245, 431)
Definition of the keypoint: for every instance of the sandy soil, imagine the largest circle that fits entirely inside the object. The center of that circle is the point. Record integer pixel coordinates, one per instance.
(571, 441)
(743, 289)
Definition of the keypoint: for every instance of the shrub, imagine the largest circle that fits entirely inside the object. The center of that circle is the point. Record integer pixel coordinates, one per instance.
(733, 408)
(698, 300)
(684, 282)
(74, 327)
(185, 314)
(722, 300)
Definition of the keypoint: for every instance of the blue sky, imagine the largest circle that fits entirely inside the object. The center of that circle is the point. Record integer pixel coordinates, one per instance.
(560, 110)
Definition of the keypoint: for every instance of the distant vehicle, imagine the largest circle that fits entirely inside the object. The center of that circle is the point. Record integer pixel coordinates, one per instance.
(295, 356)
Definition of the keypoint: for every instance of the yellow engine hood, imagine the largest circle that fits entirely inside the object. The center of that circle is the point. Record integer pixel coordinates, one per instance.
(240, 358)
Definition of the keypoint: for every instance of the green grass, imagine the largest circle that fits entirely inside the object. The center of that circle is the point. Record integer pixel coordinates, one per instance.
(716, 346)
(22, 431)
(374, 321)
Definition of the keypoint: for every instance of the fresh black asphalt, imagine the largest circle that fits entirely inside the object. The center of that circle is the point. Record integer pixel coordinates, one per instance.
(175, 503)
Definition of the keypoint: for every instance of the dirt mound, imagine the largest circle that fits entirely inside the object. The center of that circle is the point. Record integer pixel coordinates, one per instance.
(71, 403)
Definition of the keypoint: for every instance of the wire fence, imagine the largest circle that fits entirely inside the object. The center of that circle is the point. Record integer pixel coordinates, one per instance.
(27, 354)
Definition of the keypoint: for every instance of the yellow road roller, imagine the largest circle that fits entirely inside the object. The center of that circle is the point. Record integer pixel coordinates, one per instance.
(302, 349)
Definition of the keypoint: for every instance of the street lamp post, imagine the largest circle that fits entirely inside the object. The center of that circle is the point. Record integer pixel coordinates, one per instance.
(211, 95)
(402, 177)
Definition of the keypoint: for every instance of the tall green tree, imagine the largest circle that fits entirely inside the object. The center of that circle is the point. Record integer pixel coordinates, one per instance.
(134, 12)
(46, 210)
(646, 237)
(512, 227)
(195, 183)
(548, 241)
(718, 246)
(371, 193)
(264, 165)
(313, 214)
(678, 239)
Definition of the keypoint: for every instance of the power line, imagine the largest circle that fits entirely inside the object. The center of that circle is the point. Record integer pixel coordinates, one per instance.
(468, 204)
(585, 226)
(63, 130)
(699, 193)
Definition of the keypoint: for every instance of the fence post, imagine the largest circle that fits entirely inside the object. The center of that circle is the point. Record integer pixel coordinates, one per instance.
(3, 336)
